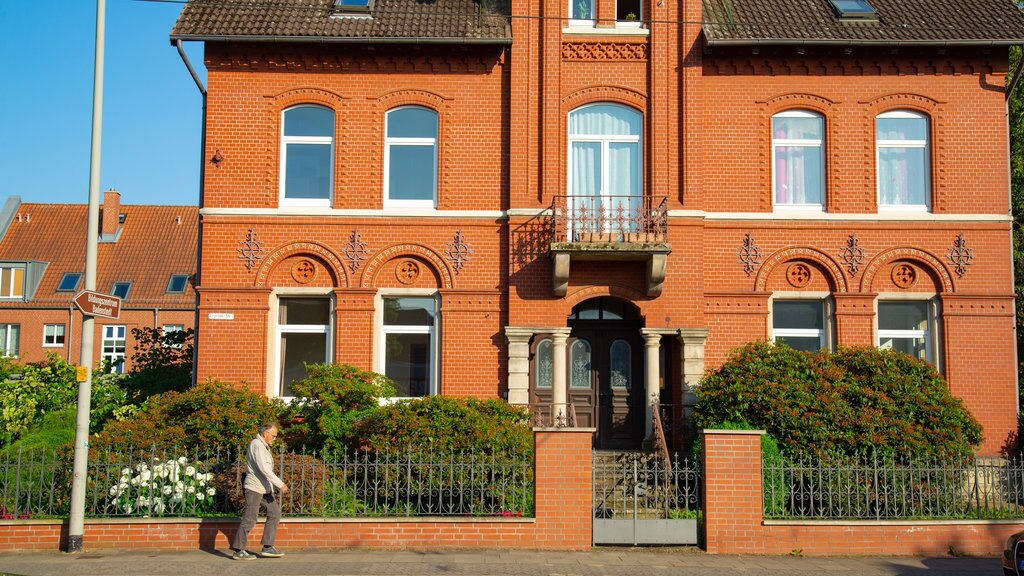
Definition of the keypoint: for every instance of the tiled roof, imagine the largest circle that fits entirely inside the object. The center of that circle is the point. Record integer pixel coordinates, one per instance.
(154, 242)
(991, 22)
(299, 20)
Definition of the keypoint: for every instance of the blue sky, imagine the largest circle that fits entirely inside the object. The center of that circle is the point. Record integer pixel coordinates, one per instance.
(152, 110)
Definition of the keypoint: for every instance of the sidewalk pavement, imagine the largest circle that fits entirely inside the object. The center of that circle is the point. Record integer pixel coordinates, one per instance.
(598, 562)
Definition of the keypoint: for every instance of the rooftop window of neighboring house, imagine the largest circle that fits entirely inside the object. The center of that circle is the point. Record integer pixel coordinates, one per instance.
(358, 6)
(121, 289)
(853, 10)
(410, 157)
(902, 157)
(10, 336)
(798, 159)
(177, 283)
(307, 156)
(69, 283)
(12, 282)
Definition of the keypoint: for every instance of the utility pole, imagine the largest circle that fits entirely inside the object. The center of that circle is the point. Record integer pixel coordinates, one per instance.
(76, 527)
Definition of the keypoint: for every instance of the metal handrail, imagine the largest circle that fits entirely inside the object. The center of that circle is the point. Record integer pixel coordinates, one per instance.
(612, 218)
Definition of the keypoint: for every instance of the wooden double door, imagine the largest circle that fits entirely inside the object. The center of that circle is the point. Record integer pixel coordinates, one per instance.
(605, 381)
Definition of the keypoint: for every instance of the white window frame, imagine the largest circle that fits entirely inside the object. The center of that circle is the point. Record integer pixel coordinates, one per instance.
(275, 383)
(824, 335)
(390, 141)
(630, 23)
(110, 335)
(434, 386)
(50, 335)
(927, 169)
(169, 329)
(7, 292)
(283, 200)
(800, 143)
(5, 345)
(931, 334)
(582, 21)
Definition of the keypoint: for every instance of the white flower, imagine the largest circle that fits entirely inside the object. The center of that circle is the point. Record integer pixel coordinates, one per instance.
(158, 469)
(127, 507)
(190, 471)
(210, 491)
(191, 489)
(141, 467)
(145, 475)
(166, 490)
(114, 491)
(177, 498)
(135, 481)
(200, 496)
(126, 471)
(158, 506)
(122, 485)
(182, 460)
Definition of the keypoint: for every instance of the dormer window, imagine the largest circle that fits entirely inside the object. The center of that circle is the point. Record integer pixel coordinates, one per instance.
(853, 10)
(12, 282)
(358, 6)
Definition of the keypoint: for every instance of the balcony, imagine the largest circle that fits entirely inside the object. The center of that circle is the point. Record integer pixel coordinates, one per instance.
(609, 228)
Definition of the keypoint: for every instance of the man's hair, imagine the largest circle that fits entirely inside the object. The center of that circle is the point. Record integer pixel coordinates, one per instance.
(266, 427)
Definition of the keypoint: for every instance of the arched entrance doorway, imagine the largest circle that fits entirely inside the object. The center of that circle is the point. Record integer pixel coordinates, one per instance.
(604, 371)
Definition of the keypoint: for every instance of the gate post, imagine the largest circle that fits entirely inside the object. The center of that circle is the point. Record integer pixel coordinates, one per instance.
(563, 480)
(733, 492)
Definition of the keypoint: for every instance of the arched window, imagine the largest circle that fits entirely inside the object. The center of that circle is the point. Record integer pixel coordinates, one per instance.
(307, 156)
(410, 157)
(605, 166)
(902, 157)
(545, 365)
(798, 159)
(579, 364)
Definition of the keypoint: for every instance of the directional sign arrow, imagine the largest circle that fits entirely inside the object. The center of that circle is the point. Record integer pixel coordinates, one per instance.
(97, 304)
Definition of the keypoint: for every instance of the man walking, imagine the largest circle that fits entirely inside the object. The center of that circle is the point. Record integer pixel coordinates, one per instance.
(260, 482)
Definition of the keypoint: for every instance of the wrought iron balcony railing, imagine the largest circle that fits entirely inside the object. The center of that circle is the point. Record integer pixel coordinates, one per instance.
(609, 219)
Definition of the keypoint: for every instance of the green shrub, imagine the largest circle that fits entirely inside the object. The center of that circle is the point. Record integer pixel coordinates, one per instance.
(331, 399)
(849, 402)
(160, 362)
(211, 415)
(445, 423)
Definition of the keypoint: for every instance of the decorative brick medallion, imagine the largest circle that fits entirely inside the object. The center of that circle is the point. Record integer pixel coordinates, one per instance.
(749, 254)
(799, 275)
(304, 271)
(960, 256)
(904, 275)
(407, 271)
(250, 250)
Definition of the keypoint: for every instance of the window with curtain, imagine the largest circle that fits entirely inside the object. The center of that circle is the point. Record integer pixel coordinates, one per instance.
(307, 153)
(410, 157)
(905, 326)
(798, 159)
(605, 165)
(902, 158)
(581, 11)
(12, 282)
(10, 338)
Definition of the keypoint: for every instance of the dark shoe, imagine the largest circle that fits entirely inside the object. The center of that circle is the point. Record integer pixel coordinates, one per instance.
(271, 552)
(243, 555)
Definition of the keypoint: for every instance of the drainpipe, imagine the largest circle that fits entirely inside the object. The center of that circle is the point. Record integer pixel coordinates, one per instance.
(1009, 189)
(202, 186)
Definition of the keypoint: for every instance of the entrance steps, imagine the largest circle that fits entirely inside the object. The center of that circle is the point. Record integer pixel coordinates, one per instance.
(629, 484)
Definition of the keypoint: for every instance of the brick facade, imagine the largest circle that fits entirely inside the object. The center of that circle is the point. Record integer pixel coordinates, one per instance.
(502, 159)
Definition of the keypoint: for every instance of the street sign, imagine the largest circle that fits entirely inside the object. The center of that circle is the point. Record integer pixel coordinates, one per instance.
(96, 304)
(81, 373)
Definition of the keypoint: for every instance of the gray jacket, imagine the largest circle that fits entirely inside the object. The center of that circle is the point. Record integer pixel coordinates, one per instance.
(260, 477)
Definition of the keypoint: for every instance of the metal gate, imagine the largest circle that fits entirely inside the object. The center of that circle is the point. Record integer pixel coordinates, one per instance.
(645, 498)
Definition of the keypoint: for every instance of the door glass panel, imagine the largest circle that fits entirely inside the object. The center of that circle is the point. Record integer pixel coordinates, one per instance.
(579, 361)
(545, 365)
(621, 363)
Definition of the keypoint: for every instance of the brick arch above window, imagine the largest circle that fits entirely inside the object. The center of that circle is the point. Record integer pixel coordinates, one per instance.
(929, 262)
(605, 94)
(412, 97)
(315, 250)
(823, 262)
(797, 101)
(307, 95)
(421, 253)
(902, 101)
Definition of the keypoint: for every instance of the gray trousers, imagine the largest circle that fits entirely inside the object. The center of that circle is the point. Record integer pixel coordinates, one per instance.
(253, 501)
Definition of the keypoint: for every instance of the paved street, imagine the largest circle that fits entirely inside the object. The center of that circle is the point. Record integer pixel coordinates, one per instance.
(601, 562)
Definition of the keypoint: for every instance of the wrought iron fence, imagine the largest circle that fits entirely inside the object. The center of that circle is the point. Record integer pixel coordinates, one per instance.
(641, 485)
(152, 483)
(610, 218)
(877, 487)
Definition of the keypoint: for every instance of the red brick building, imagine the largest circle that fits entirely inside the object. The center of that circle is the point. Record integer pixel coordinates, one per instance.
(590, 202)
(146, 255)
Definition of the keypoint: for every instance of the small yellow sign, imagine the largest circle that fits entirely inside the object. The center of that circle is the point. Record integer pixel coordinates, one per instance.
(81, 373)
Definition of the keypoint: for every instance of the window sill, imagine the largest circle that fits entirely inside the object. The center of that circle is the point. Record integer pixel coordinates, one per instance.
(53, 345)
(621, 29)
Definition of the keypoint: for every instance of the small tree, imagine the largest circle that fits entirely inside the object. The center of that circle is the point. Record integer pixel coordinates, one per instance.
(332, 398)
(161, 362)
(848, 402)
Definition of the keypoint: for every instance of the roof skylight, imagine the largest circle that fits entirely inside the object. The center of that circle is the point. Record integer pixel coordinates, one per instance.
(354, 5)
(854, 10)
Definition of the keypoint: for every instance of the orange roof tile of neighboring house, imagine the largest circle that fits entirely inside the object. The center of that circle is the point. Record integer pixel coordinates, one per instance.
(151, 244)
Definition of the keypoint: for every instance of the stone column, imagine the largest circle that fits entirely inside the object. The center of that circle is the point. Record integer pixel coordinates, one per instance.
(518, 364)
(691, 342)
(559, 386)
(652, 391)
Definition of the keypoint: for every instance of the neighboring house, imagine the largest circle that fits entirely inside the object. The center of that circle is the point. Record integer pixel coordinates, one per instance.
(146, 255)
(591, 202)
